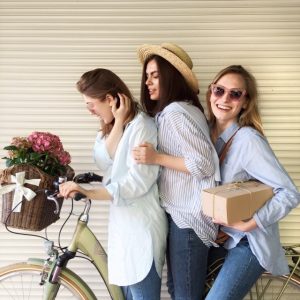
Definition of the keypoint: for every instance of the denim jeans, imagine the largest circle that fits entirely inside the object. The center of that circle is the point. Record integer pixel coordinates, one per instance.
(187, 262)
(240, 271)
(147, 289)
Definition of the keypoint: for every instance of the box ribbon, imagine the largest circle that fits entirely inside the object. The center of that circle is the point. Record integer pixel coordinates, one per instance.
(233, 186)
(20, 190)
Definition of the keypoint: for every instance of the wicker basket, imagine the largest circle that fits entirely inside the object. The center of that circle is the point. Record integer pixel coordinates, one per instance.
(38, 213)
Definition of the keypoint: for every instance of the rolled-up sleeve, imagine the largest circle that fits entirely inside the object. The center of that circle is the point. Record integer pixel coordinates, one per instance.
(195, 148)
(139, 178)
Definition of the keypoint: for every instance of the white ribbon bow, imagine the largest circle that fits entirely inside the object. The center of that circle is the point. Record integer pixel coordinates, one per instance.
(20, 191)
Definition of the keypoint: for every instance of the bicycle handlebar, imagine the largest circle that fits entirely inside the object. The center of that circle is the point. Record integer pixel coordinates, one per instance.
(87, 178)
(79, 196)
(80, 178)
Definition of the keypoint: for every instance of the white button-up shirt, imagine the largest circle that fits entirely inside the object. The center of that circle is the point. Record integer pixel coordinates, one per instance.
(137, 223)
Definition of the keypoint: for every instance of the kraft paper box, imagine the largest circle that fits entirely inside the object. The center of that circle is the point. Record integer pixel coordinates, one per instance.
(235, 201)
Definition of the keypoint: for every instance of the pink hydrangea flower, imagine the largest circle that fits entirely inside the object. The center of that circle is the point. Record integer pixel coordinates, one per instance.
(51, 158)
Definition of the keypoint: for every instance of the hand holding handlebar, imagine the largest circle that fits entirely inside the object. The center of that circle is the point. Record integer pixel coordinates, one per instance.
(69, 189)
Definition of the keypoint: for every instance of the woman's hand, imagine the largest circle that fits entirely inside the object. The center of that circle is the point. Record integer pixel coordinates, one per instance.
(121, 113)
(69, 189)
(244, 226)
(145, 154)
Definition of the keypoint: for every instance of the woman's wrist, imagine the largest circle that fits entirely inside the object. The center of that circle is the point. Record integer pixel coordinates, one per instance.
(158, 158)
(119, 123)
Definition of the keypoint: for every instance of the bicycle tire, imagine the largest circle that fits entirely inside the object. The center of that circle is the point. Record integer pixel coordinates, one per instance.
(21, 281)
(274, 285)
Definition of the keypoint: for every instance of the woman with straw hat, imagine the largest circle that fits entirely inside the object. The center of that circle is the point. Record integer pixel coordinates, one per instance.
(188, 163)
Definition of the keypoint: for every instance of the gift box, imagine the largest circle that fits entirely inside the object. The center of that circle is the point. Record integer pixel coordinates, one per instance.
(234, 202)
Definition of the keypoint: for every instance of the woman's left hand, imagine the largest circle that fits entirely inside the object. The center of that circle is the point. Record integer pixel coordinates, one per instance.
(244, 226)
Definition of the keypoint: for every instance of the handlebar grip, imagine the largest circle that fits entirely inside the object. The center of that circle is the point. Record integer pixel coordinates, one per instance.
(96, 177)
(87, 178)
(79, 196)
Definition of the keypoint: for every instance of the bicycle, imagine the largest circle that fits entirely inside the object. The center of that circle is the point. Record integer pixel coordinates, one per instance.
(268, 286)
(50, 278)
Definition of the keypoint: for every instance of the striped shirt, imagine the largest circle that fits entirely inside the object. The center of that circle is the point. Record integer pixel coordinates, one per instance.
(181, 134)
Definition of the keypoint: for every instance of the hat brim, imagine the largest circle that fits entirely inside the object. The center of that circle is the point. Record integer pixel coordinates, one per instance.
(145, 51)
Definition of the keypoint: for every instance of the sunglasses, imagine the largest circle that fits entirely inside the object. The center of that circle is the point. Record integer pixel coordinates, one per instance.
(234, 94)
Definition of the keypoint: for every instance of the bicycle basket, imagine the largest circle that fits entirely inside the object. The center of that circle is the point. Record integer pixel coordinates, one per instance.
(37, 213)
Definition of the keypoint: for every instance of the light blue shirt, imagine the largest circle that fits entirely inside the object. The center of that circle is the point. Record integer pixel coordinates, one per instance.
(250, 157)
(137, 223)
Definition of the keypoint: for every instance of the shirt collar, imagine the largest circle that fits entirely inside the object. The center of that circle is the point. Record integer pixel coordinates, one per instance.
(136, 116)
(228, 132)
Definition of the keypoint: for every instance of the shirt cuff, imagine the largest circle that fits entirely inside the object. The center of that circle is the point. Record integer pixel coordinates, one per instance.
(191, 166)
(259, 223)
(114, 190)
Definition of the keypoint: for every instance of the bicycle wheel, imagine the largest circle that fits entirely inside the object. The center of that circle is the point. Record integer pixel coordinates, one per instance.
(21, 281)
(269, 287)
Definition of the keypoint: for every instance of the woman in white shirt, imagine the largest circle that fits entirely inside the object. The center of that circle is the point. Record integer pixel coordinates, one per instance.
(137, 223)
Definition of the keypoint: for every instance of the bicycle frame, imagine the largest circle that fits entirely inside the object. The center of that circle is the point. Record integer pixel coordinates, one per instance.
(85, 241)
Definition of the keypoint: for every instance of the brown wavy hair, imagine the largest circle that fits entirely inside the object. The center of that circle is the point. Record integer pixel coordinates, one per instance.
(250, 115)
(98, 83)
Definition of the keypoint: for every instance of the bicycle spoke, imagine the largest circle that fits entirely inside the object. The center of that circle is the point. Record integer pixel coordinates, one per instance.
(23, 284)
(274, 288)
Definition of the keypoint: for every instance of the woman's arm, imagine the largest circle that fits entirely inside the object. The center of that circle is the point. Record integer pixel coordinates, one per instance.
(146, 154)
(261, 163)
(70, 188)
(134, 180)
(196, 152)
(245, 226)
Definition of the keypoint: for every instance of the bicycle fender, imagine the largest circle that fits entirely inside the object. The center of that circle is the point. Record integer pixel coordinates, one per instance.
(69, 275)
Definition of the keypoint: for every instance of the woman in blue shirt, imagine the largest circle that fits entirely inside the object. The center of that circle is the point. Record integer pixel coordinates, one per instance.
(137, 223)
(254, 245)
(188, 163)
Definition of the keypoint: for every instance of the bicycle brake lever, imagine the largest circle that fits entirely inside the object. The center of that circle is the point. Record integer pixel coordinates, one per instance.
(51, 196)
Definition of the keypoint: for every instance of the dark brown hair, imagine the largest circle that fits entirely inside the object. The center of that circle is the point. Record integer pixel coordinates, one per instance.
(98, 83)
(172, 86)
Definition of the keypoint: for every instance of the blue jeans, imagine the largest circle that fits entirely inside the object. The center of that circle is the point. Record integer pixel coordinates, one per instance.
(240, 271)
(147, 289)
(187, 262)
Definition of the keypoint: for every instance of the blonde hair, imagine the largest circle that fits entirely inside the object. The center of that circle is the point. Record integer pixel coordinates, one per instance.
(250, 115)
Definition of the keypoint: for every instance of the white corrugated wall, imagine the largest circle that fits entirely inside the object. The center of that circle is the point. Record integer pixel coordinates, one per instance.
(46, 45)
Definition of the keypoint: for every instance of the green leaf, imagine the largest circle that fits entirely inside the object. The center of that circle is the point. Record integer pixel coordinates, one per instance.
(10, 148)
(9, 163)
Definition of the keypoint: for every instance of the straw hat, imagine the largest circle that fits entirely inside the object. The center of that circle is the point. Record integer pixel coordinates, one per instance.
(176, 56)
